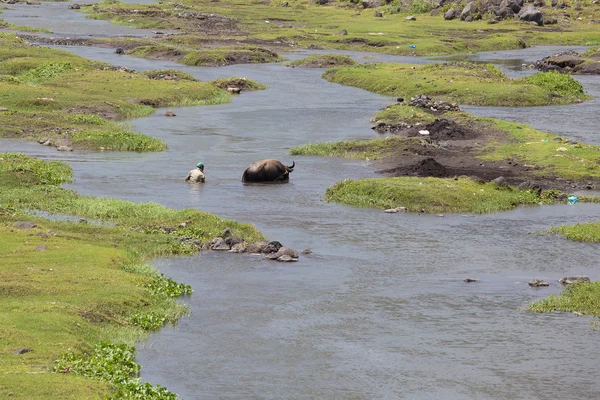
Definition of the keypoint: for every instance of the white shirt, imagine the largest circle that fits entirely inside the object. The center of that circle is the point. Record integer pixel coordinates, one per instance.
(195, 175)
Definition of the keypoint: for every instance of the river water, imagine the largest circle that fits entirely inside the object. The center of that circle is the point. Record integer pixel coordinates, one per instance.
(380, 309)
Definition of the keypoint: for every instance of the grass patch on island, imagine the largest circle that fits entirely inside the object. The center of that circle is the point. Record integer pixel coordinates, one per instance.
(581, 232)
(464, 83)
(372, 149)
(582, 298)
(207, 57)
(322, 61)
(549, 153)
(431, 195)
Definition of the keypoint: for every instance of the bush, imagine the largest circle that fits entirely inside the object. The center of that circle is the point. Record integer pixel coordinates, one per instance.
(45, 72)
(556, 82)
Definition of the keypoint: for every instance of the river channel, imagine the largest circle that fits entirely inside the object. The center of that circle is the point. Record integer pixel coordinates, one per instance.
(379, 310)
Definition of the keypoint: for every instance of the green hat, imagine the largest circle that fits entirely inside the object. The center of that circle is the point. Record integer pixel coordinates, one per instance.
(200, 165)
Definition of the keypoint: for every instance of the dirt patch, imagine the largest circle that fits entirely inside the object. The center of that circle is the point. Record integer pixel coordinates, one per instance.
(360, 41)
(106, 113)
(442, 129)
(425, 167)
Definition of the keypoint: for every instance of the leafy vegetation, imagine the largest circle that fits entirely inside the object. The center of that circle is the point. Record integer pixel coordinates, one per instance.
(557, 83)
(581, 298)
(432, 195)
(19, 168)
(115, 364)
(464, 83)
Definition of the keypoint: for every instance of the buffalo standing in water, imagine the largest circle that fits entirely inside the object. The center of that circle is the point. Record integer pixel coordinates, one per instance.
(270, 170)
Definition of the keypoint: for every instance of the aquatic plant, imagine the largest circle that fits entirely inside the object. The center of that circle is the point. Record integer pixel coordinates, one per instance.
(555, 82)
(114, 363)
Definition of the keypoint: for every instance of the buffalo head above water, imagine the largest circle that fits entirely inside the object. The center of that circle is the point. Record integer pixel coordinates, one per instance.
(269, 170)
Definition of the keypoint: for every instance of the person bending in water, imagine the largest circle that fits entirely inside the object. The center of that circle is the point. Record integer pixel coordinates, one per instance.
(197, 174)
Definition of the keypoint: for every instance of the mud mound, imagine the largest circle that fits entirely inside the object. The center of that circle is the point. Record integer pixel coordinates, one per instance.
(425, 167)
(444, 129)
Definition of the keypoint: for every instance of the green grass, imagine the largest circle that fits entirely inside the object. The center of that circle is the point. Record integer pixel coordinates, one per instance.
(361, 149)
(593, 52)
(303, 23)
(67, 288)
(404, 114)
(581, 298)
(20, 28)
(56, 95)
(543, 150)
(31, 184)
(464, 83)
(582, 232)
(431, 195)
(207, 57)
(322, 61)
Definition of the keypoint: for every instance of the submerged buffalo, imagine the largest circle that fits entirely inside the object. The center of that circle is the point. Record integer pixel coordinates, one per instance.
(270, 170)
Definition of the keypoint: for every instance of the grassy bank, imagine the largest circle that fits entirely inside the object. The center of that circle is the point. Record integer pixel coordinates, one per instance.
(582, 298)
(464, 83)
(432, 195)
(65, 99)
(342, 25)
(81, 293)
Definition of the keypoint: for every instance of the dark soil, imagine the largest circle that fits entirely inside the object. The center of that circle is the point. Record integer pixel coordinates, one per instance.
(443, 129)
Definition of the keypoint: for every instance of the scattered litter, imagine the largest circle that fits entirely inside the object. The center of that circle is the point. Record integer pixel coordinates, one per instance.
(424, 132)
(412, 46)
(45, 98)
(573, 200)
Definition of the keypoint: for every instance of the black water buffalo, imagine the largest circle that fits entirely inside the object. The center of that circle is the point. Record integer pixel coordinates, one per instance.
(270, 170)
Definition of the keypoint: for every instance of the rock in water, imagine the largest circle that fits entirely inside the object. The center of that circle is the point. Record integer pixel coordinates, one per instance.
(538, 283)
(568, 280)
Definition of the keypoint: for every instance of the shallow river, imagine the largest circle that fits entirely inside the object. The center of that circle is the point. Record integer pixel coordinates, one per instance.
(380, 309)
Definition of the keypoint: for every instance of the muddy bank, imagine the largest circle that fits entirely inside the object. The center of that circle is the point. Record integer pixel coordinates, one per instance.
(571, 62)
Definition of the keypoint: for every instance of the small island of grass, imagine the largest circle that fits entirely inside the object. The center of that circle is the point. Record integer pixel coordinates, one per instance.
(582, 298)
(322, 61)
(463, 83)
